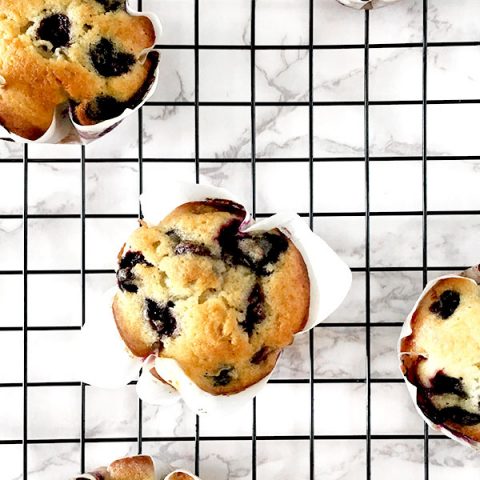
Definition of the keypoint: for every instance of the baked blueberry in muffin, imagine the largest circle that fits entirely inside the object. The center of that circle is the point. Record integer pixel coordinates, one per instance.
(221, 302)
(441, 356)
(87, 53)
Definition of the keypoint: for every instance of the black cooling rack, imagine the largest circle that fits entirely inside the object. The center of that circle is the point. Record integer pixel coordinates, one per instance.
(424, 213)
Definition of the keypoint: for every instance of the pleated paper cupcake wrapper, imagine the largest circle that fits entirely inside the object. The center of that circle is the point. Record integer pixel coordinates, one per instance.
(473, 274)
(110, 365)
(64, 129)
(367, 5)
(163, 471)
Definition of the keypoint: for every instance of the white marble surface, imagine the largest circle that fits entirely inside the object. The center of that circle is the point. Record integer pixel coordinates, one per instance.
(225, 150)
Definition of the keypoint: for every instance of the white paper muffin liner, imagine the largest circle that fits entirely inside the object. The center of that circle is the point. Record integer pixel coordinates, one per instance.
(473, 274)
(163, 471)
(65, 130)
(330, 280)
(366, 5)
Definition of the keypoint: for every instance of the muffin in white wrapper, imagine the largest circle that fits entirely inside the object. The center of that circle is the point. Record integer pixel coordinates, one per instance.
(441, 383)
(329, 278)
(140, 467)
(367, 4)
(64, 129)
(181, 475)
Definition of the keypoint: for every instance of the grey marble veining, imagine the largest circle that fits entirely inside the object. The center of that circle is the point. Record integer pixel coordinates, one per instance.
(282, 179)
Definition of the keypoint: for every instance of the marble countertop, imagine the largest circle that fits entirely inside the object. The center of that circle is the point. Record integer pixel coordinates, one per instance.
(282, 181)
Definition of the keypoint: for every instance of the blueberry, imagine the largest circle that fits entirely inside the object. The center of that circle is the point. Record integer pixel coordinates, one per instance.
(104, 107)
(255, 313)
(453, 414)
(161, 317)
(223, 378)
(262, 250)
(228, 238)
(256, 252)
(126, 280)
(130, 259)
(449, 414)
(111, 5)
(125, 276)
(173, 236)
(249, 251)
(189, 247)
(274, 246)
(442, 383)
(425, 404)
(446, 305)
(108, 60)
(260, 356)
(55, 29)
(460, 416)
(182, 247)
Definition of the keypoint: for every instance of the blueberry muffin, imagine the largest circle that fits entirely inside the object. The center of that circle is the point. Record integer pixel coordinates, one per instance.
(222, 303)
(441, 356)
(85, 53)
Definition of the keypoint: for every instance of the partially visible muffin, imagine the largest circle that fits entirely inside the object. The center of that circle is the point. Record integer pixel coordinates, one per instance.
(180, 476)
(441, 356)
(221, 302)
(140, 467)
(85, 52)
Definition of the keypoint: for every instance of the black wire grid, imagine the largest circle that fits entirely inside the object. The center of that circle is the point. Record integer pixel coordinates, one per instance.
(311, 214)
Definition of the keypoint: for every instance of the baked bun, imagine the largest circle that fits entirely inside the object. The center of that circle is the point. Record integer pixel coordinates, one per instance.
(222, 303)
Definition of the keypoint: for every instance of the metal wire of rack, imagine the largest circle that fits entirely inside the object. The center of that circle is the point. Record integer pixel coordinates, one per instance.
(424, 213)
